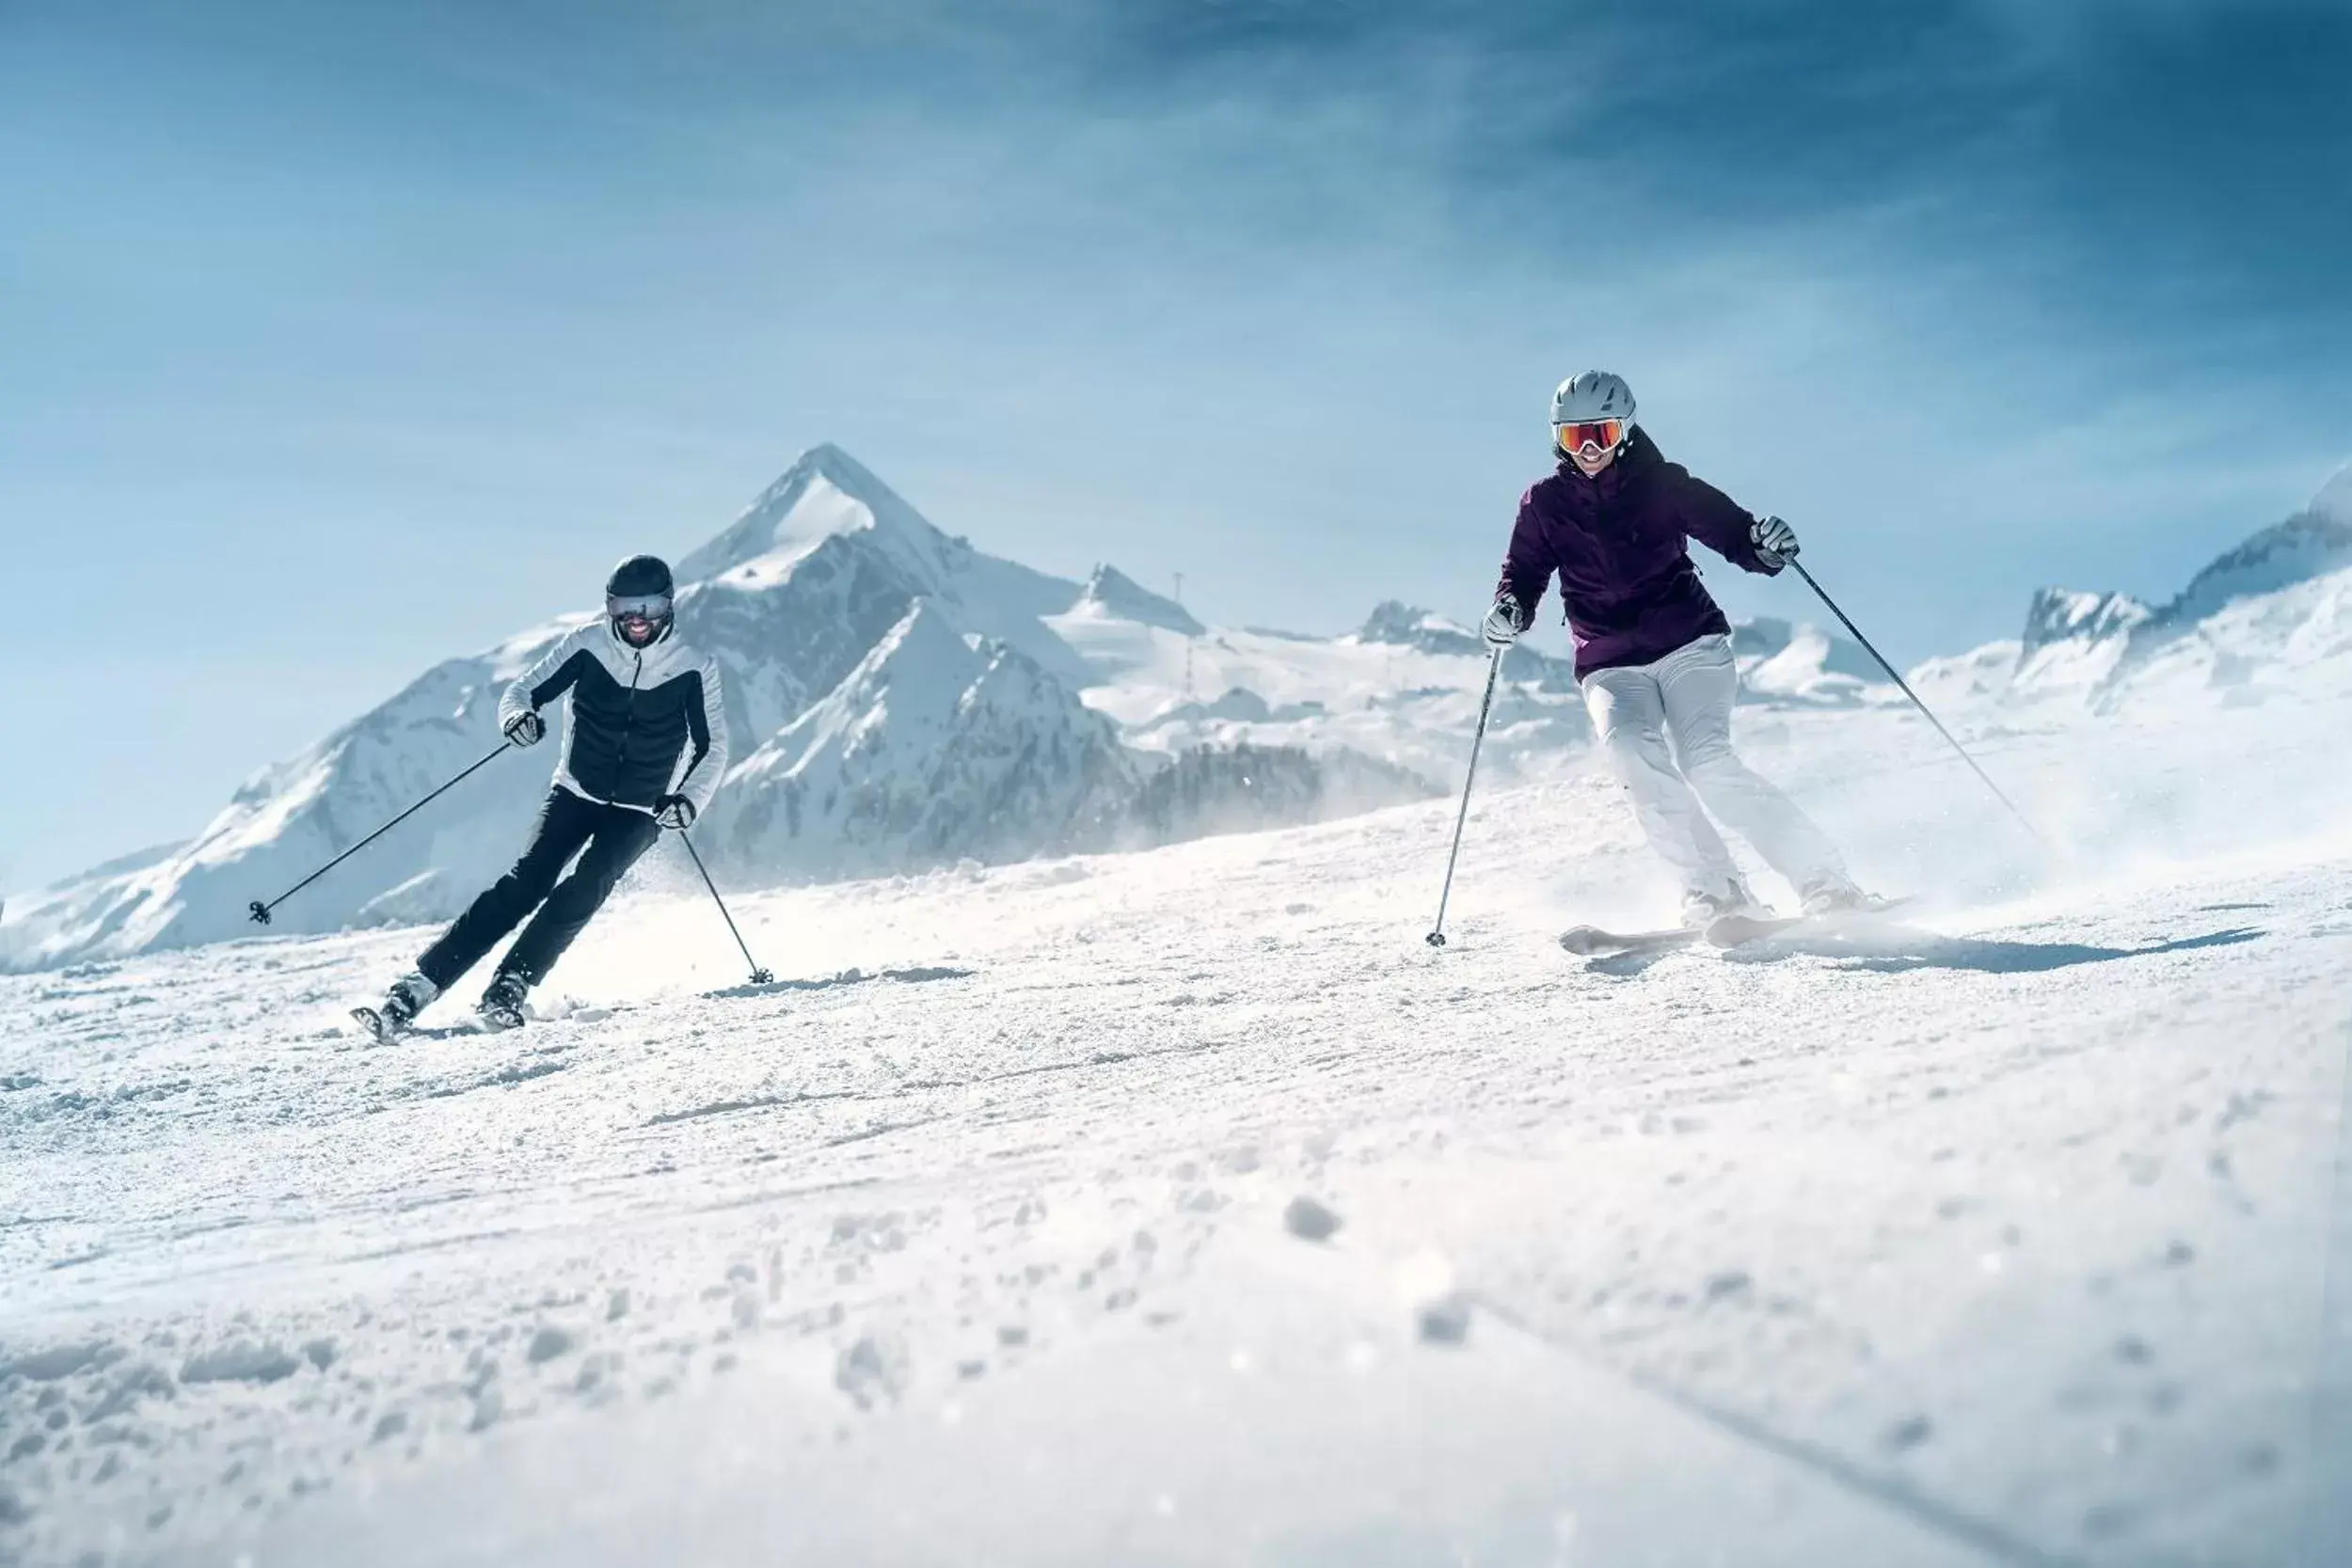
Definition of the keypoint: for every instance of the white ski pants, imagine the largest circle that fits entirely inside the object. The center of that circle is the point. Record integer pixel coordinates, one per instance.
(1667, 728)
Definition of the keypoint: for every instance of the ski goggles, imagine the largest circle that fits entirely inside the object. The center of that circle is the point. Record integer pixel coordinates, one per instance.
(645, 607)
(1604, 433)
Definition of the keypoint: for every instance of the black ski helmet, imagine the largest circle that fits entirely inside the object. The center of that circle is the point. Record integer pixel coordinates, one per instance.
(640, 586)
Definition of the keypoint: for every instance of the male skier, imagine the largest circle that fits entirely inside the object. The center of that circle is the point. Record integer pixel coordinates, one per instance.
(1653, 650)
(643, 746)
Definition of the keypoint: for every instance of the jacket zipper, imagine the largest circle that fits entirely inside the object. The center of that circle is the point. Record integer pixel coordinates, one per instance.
(628, 717)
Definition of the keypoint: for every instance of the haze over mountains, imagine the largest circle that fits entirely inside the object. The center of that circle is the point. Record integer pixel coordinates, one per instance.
(899, 700)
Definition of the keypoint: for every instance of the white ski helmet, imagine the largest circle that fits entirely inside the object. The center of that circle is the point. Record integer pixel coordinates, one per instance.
(1592, 398)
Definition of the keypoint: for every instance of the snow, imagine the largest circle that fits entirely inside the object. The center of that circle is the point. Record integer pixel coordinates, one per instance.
(999, 1229)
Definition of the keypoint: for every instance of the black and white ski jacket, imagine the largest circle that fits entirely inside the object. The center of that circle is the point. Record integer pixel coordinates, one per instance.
(641, 722)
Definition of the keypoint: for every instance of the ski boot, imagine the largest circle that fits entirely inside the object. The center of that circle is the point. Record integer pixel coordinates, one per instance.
(407, 998)
(1832, 907)
(502, 1005)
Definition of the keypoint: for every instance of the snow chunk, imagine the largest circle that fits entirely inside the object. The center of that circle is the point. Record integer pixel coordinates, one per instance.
(1309, 1220)
(873, 1372)
(1444, 1321)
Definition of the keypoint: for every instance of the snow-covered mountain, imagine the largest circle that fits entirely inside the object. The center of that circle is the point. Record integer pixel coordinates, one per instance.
(2313, 543)
(1399, 693)
(1214, 789)
(1112, 595)
(2279, 603)
(1394, 623)
(828, 509)
(1783, 664)
(897, 699)
(940, 745)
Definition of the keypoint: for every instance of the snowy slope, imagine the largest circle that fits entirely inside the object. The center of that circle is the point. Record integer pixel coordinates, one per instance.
(985, 1236)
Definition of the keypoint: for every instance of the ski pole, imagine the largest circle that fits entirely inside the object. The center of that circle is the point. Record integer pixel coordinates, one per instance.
(759, 976)
(259, 913)
(2022, 820)
(1485, 704)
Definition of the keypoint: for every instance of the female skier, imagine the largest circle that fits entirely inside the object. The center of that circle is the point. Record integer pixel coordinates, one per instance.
(1653, 651)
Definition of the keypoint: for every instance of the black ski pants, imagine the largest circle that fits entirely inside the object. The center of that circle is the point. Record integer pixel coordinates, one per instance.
(608, 840)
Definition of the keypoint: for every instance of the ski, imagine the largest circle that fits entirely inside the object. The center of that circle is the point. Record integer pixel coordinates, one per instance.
(1731, 930)
(1591, 941)
(375, 1023)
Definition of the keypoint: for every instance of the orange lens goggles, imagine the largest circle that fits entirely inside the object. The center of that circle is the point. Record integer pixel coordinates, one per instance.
(1604, 433)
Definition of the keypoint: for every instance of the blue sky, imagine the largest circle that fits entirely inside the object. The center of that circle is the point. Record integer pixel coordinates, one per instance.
(339, 338)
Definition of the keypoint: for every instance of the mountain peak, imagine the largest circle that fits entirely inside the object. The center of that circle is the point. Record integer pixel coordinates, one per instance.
(828, 462)
(2313, 543)
(2334, 501)
(1112, 593)
(824, 493)
(2065, 614)
(1409, 626)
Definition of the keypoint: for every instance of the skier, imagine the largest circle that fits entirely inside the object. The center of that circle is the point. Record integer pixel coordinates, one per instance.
(644, 744)
(1653, 650)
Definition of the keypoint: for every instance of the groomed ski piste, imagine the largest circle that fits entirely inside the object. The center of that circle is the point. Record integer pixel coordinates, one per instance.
(1184, 1207)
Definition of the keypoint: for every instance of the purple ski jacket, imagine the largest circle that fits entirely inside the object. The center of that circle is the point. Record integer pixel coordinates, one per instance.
(1620, 547)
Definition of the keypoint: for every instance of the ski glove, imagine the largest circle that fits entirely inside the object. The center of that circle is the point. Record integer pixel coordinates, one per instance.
(1776, 542)
(1503, 625)
(673, 811)
(526, 729)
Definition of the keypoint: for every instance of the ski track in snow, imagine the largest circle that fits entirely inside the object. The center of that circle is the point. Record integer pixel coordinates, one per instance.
(1993, 1238)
